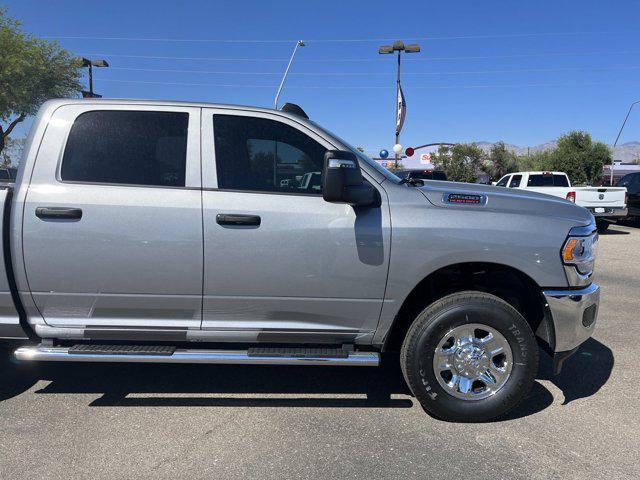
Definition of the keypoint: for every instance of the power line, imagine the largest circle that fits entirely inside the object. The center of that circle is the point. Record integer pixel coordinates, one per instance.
(162, 57)
(332, 40)
(367, 74)
(354, 60)
(376, 87)
(528, 55)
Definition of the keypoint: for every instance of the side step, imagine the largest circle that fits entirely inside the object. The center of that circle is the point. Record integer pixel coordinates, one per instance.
(168, 354)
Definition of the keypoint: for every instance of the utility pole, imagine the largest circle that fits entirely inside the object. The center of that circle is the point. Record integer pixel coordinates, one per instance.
(618, 138)
(299, 43)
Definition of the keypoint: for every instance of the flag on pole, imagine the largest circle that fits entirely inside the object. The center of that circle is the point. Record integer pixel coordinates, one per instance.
(402, 110)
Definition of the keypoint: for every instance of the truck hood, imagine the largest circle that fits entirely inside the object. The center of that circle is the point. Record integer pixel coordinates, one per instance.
(453, 195)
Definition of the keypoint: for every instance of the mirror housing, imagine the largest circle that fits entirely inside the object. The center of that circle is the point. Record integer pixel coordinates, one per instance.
(342, 180)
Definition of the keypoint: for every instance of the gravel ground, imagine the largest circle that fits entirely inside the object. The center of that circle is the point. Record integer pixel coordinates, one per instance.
(143, 421)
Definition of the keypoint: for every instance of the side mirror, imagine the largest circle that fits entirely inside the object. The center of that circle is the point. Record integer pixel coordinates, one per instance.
(342, 181)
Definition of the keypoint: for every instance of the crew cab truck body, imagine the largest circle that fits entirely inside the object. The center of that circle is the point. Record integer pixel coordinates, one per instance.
(607, 204)
(146, 231)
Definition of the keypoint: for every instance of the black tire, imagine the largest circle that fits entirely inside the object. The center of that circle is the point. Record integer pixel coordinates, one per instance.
(431, 326)
(602, 226)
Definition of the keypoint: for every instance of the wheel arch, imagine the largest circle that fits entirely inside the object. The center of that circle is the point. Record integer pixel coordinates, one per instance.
(505, 282)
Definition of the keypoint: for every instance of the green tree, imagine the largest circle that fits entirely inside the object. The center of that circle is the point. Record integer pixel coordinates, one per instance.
(461, 162)
(538, 161)
(32, 71)
(580, 157)
(12, 152)
(501, 161)
(576, 154)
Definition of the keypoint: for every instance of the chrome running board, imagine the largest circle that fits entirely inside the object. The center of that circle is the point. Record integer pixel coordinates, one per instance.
(256, 356)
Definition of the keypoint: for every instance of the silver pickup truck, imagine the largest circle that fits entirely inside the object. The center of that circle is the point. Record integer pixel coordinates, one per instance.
(147, 231)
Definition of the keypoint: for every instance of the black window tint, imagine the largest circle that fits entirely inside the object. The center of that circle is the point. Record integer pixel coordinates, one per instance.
(420, 175)
(539, 180)
(515, 181)
(427, 175)
(560, 181)
(265, 155)
(127, 147)
(547, 180)
(625, 181)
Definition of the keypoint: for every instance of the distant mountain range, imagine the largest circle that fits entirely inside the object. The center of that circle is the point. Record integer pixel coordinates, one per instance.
(626, 152)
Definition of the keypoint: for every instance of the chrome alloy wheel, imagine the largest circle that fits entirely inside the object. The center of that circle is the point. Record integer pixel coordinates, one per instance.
(473, 361)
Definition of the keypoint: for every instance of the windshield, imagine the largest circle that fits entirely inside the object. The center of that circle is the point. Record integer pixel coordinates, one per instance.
(375, 165)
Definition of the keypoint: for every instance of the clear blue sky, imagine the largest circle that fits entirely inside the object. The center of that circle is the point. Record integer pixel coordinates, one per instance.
(523, 72)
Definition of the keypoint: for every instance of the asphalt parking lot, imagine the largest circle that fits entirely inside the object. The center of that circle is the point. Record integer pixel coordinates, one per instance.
(143, 421)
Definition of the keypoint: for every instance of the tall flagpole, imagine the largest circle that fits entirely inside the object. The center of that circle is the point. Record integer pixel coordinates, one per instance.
(397, 111)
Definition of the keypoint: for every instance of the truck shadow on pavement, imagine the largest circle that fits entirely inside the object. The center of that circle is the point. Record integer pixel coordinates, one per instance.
(614, 231)
(144, 385)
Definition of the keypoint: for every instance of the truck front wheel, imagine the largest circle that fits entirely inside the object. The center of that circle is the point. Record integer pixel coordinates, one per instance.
(469, 357)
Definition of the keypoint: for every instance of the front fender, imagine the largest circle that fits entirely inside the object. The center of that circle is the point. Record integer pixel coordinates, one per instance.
(426, 238)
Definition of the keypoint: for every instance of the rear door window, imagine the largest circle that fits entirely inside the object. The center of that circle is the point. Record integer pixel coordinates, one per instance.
(127, 148)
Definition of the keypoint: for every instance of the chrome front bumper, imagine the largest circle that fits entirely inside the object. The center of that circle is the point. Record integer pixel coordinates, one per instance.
(574, 314)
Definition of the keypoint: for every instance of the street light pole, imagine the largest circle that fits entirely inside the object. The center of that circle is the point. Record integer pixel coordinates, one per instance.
(299, 43)
(618, 137)
(398, 46)
(396, 119)
(85, 62)
(90, 79)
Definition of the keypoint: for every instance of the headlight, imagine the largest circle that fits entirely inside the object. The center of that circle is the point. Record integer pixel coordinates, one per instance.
(579, 253)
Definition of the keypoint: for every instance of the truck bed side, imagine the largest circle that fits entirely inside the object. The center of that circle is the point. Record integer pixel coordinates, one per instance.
(560, 192)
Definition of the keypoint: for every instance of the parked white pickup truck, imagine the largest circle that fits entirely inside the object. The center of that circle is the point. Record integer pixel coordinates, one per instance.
(607, 204)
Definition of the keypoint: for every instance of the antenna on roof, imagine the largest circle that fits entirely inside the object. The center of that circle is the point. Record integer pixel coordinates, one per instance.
(294, 110)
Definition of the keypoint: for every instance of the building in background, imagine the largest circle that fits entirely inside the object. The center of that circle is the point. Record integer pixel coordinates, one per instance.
(619, 170)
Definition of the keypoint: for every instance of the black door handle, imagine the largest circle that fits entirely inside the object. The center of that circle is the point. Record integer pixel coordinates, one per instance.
(237, 219)
(59, 213)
